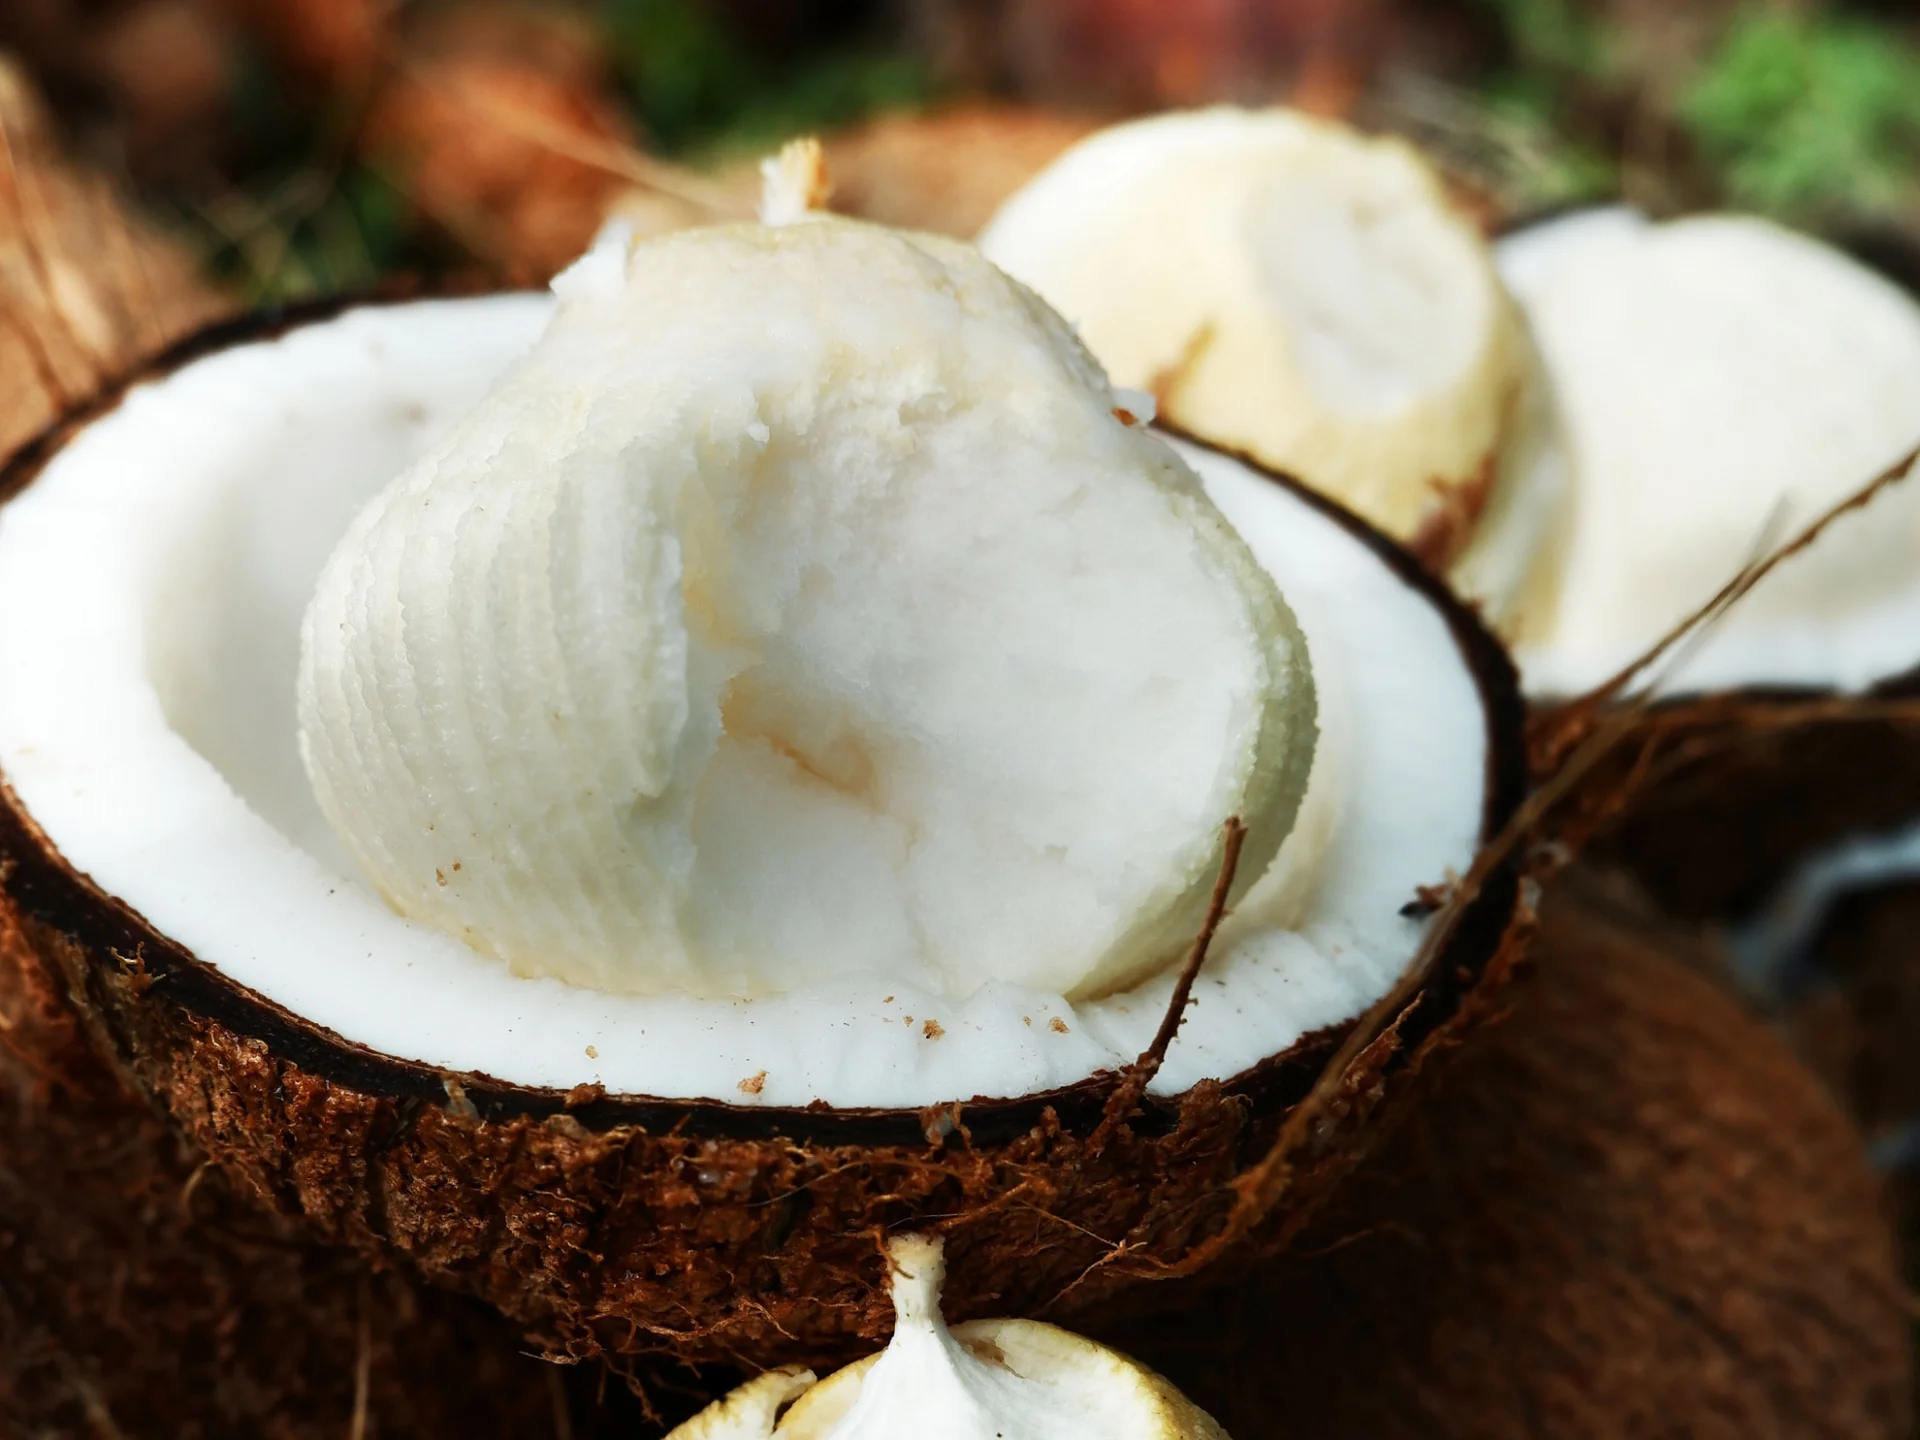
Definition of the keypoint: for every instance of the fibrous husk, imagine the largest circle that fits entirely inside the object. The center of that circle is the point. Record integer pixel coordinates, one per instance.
(87, 288)
(142, 1296)
(1628, 1211)
(719, 1236)
(1709, 802)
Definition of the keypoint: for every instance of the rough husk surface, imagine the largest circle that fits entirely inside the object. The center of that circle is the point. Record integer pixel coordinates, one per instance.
(634, 1239)
(1710, 802)
(1628, 1212)
(1623, 1211)
(142, 1295)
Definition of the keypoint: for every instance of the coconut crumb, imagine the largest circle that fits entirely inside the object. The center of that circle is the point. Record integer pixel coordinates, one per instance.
(754, 1084)
(592, 1053)
(794, 183)
(1057, 1025)
(932, 1030)
(1134, 407)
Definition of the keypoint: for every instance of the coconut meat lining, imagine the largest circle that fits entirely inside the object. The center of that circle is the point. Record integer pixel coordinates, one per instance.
(1720, 382)
(151, 585)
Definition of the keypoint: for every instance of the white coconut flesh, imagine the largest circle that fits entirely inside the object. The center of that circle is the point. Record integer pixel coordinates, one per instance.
(1720, 383)
(152, 583)
(1290, 287)
(985, 1380)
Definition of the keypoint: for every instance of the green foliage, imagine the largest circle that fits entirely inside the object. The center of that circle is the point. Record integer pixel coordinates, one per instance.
(1553, 39)
(1811, 116)
(694, 86)
(1524, 140)
(309, 232)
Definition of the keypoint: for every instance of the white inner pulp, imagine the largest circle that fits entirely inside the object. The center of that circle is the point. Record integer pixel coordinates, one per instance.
(152, 581)
(1293, 288)
(1720, 383)
(986, 1380)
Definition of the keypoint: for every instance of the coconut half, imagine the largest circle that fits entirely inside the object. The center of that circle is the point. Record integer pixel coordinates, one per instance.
(659, 1172)
(1720, 383)
(1292, 288)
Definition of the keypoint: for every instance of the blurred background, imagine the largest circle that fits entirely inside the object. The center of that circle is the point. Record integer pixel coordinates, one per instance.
(309, 145)
(165, 160)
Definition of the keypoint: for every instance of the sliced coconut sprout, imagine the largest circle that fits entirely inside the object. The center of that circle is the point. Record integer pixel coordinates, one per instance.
(802, 608)
(985, 1380)
(152, 579)
(1721, 383)
(1291, 288)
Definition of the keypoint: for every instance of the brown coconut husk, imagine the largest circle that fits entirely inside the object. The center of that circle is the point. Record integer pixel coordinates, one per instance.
(1627, 1211)
(87, 288)
(721, 1233)
(1709, 803)
(141, 1295)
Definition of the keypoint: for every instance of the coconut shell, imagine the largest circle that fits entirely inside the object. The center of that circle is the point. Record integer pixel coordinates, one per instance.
(711, 1232)
(1626, 1211)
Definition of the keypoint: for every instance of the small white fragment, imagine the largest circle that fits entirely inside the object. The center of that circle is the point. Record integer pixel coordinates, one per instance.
(794, 183)
(601, 272)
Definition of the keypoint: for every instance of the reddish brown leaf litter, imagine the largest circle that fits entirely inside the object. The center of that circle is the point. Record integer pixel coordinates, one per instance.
(947, 170)
(87, 289)
(1629, 1212)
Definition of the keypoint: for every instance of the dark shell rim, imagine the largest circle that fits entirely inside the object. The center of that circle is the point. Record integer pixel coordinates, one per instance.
(38, 880)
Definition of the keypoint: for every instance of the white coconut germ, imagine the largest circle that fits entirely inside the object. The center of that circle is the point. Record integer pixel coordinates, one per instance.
(986, 1380)
(803, 605)
(1292, 288)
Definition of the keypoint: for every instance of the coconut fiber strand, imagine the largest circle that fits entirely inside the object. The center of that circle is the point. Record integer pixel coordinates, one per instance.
(1629, 1212)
